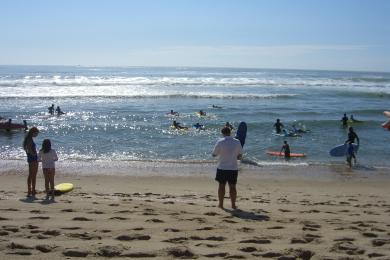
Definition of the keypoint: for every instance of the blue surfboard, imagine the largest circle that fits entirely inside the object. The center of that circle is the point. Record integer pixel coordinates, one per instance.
(341, 150)
(241, 133)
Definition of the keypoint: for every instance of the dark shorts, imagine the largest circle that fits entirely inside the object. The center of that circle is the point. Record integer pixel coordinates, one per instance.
(224, 176)
(32, 158)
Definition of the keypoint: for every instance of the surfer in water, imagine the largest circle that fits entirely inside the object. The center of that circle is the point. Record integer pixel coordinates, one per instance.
(51, 109)
(278, 126)
(344, 120)
(202, 113)
(286, 149)
(177, 125)
(229, 125)
(199, 126)
(173, 113)
(59, 111)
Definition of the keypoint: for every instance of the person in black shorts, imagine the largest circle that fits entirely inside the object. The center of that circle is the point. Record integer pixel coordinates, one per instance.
(286, 149)
(228, 150)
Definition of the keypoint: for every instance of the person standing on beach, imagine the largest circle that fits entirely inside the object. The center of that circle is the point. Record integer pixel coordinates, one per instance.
(228, 150)
(48, 157)
(32, 159)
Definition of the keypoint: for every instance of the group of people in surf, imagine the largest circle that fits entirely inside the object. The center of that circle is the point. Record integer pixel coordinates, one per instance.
(294, 131)
(57, 110)
(198, 126)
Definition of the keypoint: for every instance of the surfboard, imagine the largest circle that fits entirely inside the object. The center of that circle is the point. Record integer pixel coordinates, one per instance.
(241, 133)
(63, 188)
(282, 154)
(341, 150)
(387, 113)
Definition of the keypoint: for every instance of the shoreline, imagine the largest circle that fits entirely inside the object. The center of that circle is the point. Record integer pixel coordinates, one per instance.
(175, 168)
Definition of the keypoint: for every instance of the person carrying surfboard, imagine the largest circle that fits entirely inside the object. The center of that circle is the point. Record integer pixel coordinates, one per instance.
(228, 150)
(352, 136)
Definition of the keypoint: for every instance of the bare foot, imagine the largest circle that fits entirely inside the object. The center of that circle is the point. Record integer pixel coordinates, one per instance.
(220, 206)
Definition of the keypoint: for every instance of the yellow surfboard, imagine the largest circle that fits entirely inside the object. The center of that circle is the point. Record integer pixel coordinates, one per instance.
(63, 187)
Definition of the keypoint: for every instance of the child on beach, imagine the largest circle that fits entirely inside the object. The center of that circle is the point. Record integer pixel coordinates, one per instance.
(48, 156)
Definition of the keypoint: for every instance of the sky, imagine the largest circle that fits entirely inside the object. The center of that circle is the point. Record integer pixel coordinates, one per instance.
(299, 34)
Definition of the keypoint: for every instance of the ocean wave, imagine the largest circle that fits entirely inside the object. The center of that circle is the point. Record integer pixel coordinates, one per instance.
(58, 80)
(41, 95)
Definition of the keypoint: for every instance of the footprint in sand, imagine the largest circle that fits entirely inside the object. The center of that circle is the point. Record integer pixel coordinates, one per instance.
(256, 241)
(81, 219)
(205, 228)
(155, 220)
(40, 217)
(246, 230)
(11, 228)
(97, 212)
(171, 230)
(133, 237)
(118, 218)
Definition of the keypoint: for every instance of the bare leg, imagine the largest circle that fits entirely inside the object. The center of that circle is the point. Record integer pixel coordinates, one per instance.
(46, 174)
(233, 194)
(32, 177)
(221, 194)
(51, 179)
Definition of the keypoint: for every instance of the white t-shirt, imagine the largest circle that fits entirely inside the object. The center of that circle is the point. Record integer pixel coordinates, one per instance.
(48, 159)
(227, 149)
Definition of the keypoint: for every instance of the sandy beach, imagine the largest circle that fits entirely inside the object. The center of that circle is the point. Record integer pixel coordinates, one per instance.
(157, 217)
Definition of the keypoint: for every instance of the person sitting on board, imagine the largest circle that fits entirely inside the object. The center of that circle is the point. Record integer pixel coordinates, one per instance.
(286, 149)
(350, 154)
(278, 126)
(51, 109)
(229, 125)
(202, 113)
(199, 126)
(344, 120)
(352, 136)
(178, 126)
(59, 111)
(215, 106)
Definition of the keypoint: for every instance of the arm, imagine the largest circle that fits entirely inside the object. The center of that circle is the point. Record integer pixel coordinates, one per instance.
(55, 157)
(215, 150)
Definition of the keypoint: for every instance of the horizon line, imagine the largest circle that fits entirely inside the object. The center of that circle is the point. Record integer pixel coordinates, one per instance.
(183, 66)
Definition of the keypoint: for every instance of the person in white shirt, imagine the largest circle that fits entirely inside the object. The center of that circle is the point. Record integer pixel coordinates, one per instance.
(48, 157)
(228, 150)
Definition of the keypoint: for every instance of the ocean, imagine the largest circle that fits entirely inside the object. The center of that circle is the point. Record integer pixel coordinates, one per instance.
(119, 114)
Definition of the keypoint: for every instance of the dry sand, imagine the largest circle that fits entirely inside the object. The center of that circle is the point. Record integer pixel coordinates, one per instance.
(176, 217)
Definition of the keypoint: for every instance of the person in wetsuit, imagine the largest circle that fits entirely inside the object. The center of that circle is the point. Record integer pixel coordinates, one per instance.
(352, 136)
(278, 126)
(344, 120)
(286, 149)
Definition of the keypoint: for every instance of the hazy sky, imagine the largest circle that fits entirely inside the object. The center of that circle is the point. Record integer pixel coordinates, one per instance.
(302, 34)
